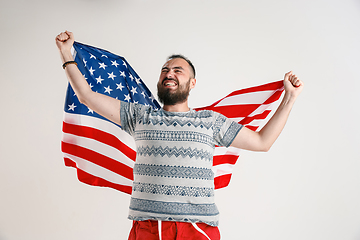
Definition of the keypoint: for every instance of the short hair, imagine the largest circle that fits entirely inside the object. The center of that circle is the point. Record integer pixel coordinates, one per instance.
(186, 59)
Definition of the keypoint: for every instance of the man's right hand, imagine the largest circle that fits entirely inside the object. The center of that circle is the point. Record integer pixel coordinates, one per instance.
(64, 41)
(104, 105)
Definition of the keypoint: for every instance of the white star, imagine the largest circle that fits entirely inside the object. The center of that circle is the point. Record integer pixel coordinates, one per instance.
(111, 75)
(127, 97)
(91, 71)
(124, 64)
(90, 111)
(136, 101)
(85, 77)
(114, 63)
(143, 93)
(99, 79)
(84, 61)
(90, 85)
(138, 80)
(104, 56)
(92, 56)
(151, 98)
(72, 107)
(133, 90)
(108, 90)
(131, 77)
(122, 74)
(102, 65)
(119, 86)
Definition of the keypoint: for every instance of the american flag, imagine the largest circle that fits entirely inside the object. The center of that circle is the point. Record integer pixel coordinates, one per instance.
(104, 154)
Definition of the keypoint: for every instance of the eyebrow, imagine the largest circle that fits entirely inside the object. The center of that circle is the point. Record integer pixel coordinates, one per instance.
(172, 68)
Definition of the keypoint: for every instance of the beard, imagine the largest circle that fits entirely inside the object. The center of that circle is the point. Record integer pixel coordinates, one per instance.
(167, 97)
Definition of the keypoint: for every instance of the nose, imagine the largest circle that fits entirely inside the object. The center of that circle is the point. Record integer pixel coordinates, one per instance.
(169, 74)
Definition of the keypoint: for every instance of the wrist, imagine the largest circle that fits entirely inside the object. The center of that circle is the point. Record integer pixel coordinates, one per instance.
(289, 99)
(66, 55)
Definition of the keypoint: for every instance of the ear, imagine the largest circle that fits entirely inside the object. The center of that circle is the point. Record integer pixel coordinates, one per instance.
(192, 83)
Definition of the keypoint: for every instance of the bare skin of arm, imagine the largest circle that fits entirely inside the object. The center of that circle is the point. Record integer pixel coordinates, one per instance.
(104, 105)
(264, 139)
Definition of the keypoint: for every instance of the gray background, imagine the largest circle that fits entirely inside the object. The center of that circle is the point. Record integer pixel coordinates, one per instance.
(306, 187)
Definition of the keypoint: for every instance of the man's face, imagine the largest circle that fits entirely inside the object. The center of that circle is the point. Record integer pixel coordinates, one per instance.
(175, 82)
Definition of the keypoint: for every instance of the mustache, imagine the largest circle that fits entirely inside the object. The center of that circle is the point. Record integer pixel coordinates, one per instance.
(171, 79)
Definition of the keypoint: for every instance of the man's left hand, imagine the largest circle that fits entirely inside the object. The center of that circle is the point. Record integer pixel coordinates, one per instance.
(292, 84)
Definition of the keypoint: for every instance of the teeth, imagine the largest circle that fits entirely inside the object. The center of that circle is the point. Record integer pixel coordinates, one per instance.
(169, 84)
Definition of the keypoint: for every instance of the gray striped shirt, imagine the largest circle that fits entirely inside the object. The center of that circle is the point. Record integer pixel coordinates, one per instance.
(173, 180)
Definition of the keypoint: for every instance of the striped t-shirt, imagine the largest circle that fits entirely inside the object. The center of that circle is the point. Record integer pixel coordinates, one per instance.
(173, 180)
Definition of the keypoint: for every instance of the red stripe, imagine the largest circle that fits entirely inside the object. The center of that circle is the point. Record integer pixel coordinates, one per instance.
(222, 181)
(248, 120)
(266, 87)
(254, 128)
(274, 97)
(97, 181)
(69, 162)
(235, 111)
(98, 159)
(221, 159)
(100, 136)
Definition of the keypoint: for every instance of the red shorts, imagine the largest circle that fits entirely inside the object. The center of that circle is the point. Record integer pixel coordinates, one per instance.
(149, 230)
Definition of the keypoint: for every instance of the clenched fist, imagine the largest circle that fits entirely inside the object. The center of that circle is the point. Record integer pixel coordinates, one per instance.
(64, 41)
(292, 84)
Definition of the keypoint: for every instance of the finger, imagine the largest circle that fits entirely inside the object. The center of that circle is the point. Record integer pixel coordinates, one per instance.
(287, 75)
(59, 37)
(69, 34)
(297, 83)
(293, 79)
(63, 37)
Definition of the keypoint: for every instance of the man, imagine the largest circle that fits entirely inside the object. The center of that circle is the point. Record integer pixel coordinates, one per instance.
(173, 189)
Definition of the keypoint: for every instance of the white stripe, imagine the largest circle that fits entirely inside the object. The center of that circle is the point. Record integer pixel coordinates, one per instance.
(255, 122)
(159, 229)
(103, 125)
(99, 147)
(246, 98)
(227, 150)
(222, 169)
(200, 231)
(261, 122)
(99, 171)
(73, 52)
(261, 109)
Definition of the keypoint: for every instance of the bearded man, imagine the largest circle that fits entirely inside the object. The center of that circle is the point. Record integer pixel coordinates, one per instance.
(173, 188)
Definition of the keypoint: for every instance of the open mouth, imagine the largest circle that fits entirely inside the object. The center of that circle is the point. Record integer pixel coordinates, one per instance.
(169, 83)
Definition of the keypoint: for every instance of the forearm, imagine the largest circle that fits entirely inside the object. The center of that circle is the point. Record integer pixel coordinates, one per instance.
(271, 131)
(76, 79)
(104, 105)
(265, 138)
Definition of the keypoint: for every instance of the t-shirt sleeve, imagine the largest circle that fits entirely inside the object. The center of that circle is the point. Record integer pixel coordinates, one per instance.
(129, 116)
(225, 130)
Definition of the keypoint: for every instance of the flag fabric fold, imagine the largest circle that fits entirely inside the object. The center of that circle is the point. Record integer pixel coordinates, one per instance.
(104, 154)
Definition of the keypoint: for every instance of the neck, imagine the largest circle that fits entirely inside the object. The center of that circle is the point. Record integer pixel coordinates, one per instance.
(179, 107)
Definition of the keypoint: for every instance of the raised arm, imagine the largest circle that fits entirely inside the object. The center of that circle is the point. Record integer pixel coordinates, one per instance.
(104, 105)
(264, 139)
